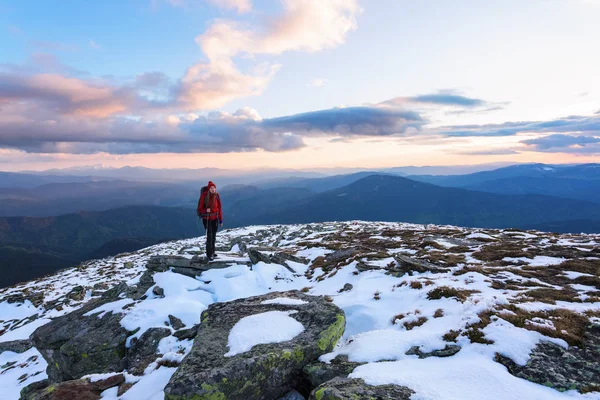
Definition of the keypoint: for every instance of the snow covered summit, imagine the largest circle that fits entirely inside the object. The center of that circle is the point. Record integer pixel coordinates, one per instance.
(437, 312)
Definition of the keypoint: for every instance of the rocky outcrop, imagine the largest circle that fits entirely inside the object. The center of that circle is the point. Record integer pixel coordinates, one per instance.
(265, 372)
(447, 351)
(82, 389)
(143, 350)
(75, 345)
(563, 369)
(17, 346)
(408, 265)
(319, 373)
(349, 389)
(280, 258)
(191, 267)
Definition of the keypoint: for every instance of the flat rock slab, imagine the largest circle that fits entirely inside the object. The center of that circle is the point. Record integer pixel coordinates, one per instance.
(354, 389)
(265, 372)
(562, 369)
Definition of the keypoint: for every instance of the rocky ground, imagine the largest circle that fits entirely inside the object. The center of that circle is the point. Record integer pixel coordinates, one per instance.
(323, 311)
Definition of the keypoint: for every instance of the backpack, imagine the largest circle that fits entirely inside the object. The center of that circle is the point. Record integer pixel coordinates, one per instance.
(202, 191)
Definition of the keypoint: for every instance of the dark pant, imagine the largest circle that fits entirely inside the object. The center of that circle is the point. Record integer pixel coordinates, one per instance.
(211, 226)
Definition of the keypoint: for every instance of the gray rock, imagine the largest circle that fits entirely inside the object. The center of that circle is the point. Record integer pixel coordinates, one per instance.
(347, 287)
(16, 346)
(241, 244)
(341, 254)
(77, 293)
(267, 371)
(163, 263)
(293, 395)
(562, 369)
(256, 256)
(175, 322)
(349, 389)
(143, 350)
(319, 373)
(75, 345)
(409, 265)
(447, 351)
(158, 291)
(187, 333)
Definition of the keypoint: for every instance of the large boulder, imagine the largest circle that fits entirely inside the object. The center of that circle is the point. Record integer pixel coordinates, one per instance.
(75, 345)
(350, 389)
(563, 369)
(267, 371)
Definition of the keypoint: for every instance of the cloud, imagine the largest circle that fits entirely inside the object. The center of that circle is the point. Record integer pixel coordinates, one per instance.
(350, 121)
(457, 103)
(244, 130)
(560, 143)
(493, 152)
(56, 93)
(94, 45)
(588, 125)
(218, 81)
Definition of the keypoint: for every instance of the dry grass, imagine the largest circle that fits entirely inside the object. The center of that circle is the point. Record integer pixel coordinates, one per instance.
(550, 296)
(448, 292)
(397, 318)
(451, 336)
(413, 324)
(570, 325)
(470, 268)
(498, 251)
(438, 313)
(591, 267)
(474, 331)
(416, 285)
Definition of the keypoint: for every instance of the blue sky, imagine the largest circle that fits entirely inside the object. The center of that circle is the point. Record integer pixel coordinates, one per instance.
(245, 84)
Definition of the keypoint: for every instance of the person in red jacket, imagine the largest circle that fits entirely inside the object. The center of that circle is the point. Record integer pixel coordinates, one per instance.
(211, 212)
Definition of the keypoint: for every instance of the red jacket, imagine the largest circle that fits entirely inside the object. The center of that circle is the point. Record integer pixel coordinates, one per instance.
(216, 210)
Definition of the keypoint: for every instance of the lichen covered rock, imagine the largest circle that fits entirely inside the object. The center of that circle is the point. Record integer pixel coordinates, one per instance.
(267, 371)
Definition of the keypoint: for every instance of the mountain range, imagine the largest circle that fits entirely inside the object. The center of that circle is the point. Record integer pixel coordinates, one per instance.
(56, 225)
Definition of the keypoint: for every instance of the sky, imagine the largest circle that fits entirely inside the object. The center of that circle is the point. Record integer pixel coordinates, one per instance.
(245, 84)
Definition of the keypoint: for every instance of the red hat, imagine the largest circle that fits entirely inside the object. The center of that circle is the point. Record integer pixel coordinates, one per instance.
(210, 183)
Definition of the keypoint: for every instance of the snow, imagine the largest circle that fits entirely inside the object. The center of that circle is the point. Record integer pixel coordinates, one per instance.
(150, 387)
(17, 310)
(444, 243)
(479, 235)
(10, 387)
(285, 301)
(537, 261)
(574, 274)
(465, 376)
(268, 327)
(23, 332)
